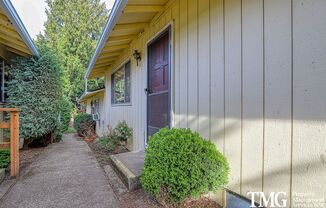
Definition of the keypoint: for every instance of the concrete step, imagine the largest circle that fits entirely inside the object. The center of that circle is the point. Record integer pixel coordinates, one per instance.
(128, 166)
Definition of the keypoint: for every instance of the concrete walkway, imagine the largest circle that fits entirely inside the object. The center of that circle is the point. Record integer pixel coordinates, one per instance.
(65, 175)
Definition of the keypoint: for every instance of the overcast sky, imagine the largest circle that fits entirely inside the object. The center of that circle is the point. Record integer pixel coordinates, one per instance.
(32, 14)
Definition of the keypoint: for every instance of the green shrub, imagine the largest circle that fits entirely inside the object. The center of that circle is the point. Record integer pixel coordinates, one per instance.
(71, 131)
(66, 108)
(109, 143)
(34, 86)
(116, 137)
(84, 122)
(183, 165)
(123, 132)
(4, 158)
(58, 134)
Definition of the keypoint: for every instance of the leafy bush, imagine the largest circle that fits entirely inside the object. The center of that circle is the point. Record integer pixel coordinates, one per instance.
(4, 158)
(117, 137)
(34, 86)
(108, 143)
(123, 132)
(183, 165)
(83, 123)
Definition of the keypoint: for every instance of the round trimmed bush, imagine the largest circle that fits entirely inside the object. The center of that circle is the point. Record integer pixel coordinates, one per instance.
(182, 164)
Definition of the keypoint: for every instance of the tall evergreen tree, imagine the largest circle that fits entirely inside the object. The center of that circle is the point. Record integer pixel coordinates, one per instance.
(72, 29)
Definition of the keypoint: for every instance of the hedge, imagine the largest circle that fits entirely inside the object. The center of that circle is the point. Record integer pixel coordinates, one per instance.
(34, 86)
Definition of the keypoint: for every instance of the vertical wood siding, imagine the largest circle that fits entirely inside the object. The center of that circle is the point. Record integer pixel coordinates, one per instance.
(250, 75)
(101, 127)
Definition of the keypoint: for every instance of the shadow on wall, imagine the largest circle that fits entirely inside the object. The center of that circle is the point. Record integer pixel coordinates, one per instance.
(291, 158)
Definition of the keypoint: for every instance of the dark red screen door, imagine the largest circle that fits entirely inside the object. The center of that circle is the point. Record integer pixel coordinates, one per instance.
(158, 107)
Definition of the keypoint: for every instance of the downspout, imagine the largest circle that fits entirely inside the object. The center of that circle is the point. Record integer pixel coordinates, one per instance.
(86, 85)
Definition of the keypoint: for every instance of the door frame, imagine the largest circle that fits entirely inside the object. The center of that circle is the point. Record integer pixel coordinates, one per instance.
(170, 29)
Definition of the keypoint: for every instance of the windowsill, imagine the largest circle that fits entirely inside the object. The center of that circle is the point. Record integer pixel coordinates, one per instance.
(121, 105)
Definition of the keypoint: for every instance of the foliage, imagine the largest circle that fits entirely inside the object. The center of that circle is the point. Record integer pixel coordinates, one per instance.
(66, 108)
(123, 132)
(108, 142)
(183, 164)
(4, 158)
(117, 137)
(58, 134)
(34, 86)
(83, 123)
(72, 29)
(71, 131)
(95, 84)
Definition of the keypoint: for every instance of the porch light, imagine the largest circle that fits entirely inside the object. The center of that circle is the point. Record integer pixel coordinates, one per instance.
(137, 56)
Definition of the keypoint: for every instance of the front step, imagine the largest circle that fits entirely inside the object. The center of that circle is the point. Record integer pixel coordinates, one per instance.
(128, 166)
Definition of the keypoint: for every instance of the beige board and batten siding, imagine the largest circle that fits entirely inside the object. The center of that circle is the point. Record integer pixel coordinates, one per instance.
(250, 75)
(101, 128)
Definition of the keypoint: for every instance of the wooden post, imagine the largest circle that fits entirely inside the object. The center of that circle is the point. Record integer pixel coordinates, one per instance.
(14, 143)
(13, 125)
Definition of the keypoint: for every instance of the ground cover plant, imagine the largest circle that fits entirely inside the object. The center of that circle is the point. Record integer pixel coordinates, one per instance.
(180, 164)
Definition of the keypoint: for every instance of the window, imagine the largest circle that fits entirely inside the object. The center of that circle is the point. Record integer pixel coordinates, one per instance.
(95, 109)
(95, 106)
(121, 85)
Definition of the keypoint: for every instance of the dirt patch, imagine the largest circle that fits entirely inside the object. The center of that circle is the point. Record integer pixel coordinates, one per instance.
(188, 203)
(199, 203)
(26, 157)
(138, 198)
(102, 154)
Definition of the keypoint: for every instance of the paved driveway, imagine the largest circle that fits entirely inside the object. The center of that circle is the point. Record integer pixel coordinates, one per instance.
(66, 175)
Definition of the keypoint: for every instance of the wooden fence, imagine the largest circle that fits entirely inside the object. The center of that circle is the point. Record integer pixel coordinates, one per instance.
(13, 125)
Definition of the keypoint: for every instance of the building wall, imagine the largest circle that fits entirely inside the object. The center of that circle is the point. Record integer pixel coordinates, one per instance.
(100, 124)
(250, 75)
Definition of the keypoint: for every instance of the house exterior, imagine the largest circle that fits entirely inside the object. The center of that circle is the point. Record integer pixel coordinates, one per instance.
(247, 74)
(93, 103)
(14, 41)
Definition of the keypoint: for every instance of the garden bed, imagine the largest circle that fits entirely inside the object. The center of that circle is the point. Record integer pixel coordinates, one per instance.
(129, 199)
(139, 198)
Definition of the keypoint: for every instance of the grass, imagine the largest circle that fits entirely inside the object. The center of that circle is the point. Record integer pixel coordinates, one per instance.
(71, 131)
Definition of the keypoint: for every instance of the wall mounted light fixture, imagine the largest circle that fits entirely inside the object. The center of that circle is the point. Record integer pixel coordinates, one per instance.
(137, 56)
